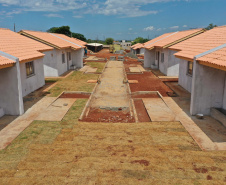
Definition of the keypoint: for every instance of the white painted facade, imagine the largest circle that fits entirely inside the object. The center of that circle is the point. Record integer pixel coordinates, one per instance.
(185, 80)
(11, 101)
(53, 62)
(208, 89)
(166, 62)
(34, 82)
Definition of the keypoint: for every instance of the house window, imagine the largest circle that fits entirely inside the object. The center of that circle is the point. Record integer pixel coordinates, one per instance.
(63, 58)
(162, 57)
(190, 68)
(69, 56)
(30, 69)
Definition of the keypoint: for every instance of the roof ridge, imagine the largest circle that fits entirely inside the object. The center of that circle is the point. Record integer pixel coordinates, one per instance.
(4, 29)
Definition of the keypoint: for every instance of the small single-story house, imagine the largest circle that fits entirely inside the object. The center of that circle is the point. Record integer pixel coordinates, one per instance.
(138, 49)
(67, 54)
(158, 55)
(95, 47)
(21, 70)
(203, 70)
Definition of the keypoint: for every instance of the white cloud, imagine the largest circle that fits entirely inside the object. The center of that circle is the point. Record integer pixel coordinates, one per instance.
(159, 29)
(174, 27)
(54, 15)
(185, 26)
(150, 28)
(130, 29)
(121, 8)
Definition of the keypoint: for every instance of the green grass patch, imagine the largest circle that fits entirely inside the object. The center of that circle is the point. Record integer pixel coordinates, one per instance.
(98, 65)
(75, 82)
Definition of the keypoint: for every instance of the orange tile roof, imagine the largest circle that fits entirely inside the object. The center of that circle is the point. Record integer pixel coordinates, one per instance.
(169, 39)
(202, 43)
(21, 47)
(216, 58)
(58, 41)
(74, 40)
(5, 61)
(138, 46)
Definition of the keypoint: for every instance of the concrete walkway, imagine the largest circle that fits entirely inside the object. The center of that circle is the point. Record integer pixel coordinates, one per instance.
(111, 92)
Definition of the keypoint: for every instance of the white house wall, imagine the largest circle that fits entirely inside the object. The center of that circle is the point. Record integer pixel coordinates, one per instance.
(185, 80)
(10, 88)
(142, 50)
(207, 89)
(173, 64)
(149, 58)
(77, 58)
(30, 84)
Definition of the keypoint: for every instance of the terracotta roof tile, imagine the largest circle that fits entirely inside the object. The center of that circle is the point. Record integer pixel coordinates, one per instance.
(5, 61)
(59, 41)
(20, 46)
(202, 43)
(168, 39)
(138, 46)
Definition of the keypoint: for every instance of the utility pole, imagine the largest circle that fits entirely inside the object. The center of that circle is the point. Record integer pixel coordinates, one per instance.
(14, 27)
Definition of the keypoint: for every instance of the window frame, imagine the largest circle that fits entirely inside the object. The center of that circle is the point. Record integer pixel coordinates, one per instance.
(69, 56)
(63, 58)
(30, 66)
(190, 71)
(162, 57)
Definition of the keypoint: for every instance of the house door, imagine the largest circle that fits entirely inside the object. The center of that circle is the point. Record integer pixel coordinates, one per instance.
(158, 58)
(68, 59)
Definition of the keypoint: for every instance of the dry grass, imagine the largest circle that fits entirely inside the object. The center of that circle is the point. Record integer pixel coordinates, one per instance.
(98, 65)
(72, 152)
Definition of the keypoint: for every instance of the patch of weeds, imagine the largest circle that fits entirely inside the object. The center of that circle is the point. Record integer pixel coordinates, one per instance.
(98, 65)
(24, 137)
(138, 174)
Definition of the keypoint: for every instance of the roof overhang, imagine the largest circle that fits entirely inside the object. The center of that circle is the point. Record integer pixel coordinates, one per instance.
(31, 59)
(212, 65)
(185, 58)
(6, 66)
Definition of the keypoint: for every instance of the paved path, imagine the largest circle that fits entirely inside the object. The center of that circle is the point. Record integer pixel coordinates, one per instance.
(111, 92)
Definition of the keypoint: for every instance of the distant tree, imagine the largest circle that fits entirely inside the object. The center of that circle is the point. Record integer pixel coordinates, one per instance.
(109, 41)
(63, 30)
(140, 40)
(211, 26)
(78, 36)
(66, 31)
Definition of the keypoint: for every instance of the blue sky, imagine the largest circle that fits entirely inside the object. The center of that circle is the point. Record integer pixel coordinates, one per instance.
(119, 19)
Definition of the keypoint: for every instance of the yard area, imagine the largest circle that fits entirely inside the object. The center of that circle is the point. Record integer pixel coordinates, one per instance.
(73, 152)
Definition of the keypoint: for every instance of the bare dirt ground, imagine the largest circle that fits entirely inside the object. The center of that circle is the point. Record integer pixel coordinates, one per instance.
(72, 152)
(148, 82)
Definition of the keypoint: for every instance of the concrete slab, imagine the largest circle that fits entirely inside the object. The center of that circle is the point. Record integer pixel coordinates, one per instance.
(141, 68)
(133, 81)
(11, 131)
(158, 110)
(134, 69)
(57, 110)
(88, 69)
